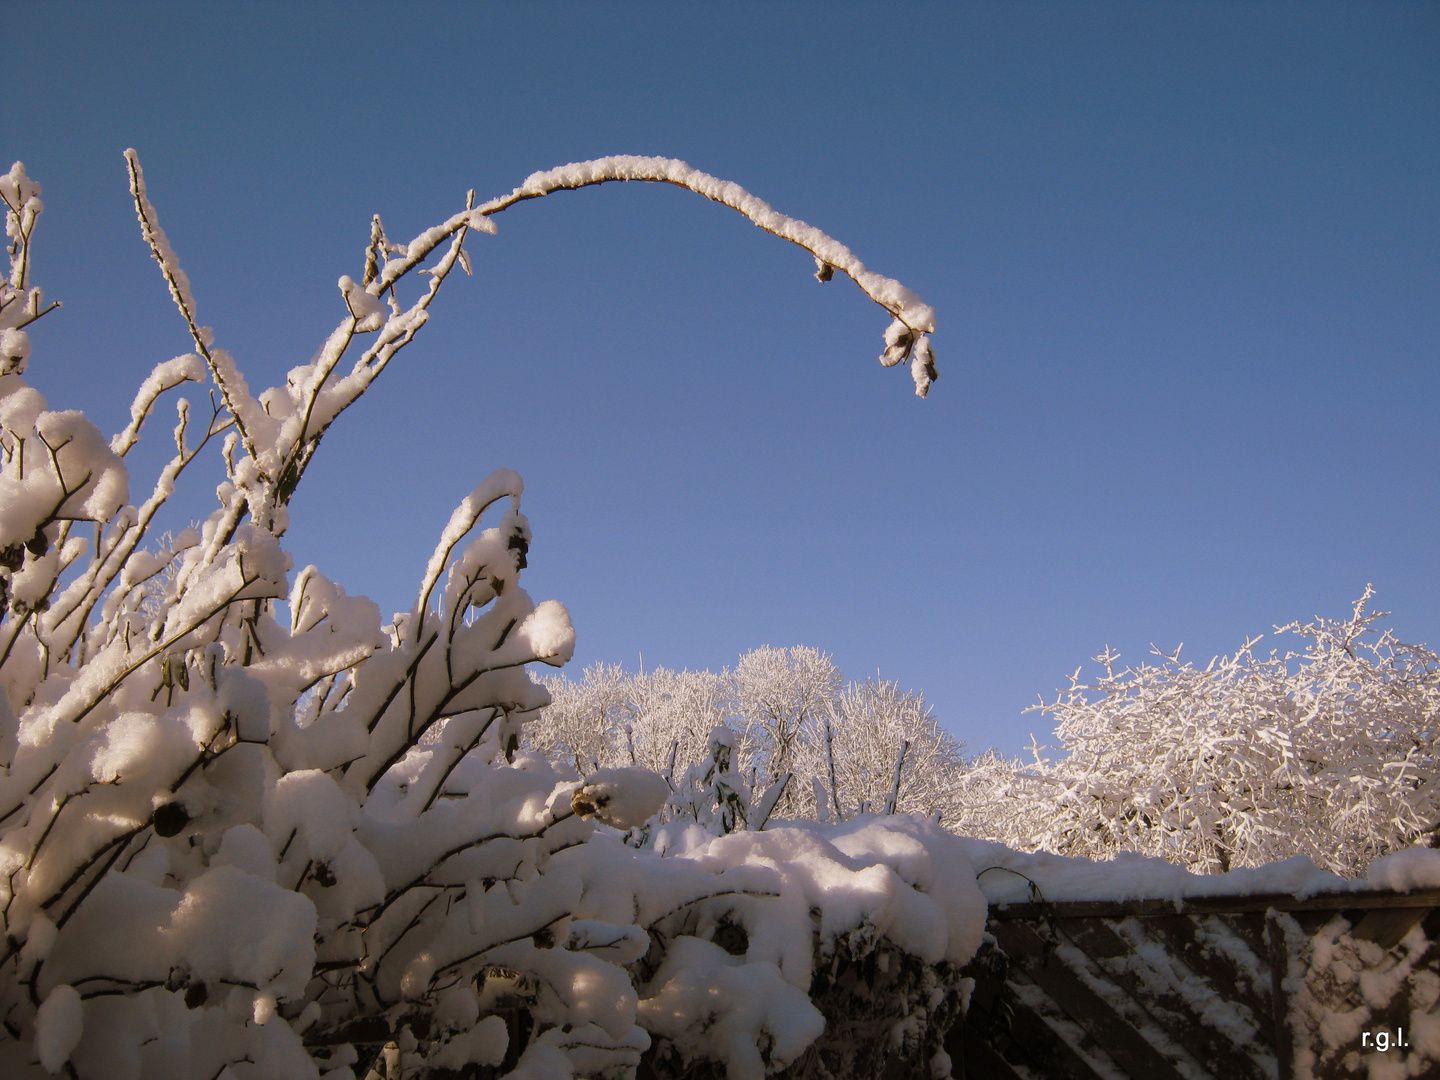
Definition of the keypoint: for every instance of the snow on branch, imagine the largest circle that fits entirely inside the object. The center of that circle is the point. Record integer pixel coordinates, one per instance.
(236, 844)
(20, 302)
(244, 408)
(887, 292)
(913, 317)
(282, 429)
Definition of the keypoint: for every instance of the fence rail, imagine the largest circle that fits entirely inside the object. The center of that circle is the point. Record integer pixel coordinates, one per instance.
(1265, 987)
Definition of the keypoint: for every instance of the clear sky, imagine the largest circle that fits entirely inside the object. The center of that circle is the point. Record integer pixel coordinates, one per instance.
(1185, 259)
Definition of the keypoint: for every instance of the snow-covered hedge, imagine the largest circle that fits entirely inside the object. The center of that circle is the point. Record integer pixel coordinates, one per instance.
(249, 831)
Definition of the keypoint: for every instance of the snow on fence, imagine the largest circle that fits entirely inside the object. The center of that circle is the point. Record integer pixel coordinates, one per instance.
(1238, 987)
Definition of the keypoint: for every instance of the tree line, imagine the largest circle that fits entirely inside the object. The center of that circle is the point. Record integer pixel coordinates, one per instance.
(1326, 750)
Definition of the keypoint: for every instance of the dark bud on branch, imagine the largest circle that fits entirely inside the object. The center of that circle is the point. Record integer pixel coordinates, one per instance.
(519, 544)
(170, 819)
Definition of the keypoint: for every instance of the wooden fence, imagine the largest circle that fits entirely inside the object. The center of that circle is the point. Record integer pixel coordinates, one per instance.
(1229, 988)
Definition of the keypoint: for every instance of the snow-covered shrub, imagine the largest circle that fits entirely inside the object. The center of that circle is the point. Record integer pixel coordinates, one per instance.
(883, 914)
(1329, 752)
(249, 831)
(792, 715)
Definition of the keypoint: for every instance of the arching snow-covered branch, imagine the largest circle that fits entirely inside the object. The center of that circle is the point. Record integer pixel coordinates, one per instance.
(887, 292)
(913, 317)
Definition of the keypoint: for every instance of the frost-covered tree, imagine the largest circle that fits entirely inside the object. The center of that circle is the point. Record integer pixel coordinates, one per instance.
(890, 754)
(860, 747)
(1328, 752)
(784, 697)
(249, 831)
(579, 724)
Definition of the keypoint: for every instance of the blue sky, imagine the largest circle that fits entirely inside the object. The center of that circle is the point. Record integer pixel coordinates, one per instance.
(1185, 259)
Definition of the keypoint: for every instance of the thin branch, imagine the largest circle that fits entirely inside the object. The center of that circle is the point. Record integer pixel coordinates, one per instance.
(236, 397)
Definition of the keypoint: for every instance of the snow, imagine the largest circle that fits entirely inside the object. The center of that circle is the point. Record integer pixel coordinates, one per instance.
(165, 376)
(703, 1000)
(19, 404)
(905, 879)
(1101, 1063)
(70, 472)
(1006, 876)
(1341, 986)
(618, 944)
(922, 366)
(899, 339)
(310, 805)
(32, 583)
(623, 798)
(58, 1025)
(159, 243)
(483, 1044)
(548, 634)
(14, 349)
(591, 1049)
(1406, 871)
(368, 309)
(543, 1061)
(497, 485)
(268, 938)
(822, 800)
(138, 745)
(246, 848)
(242, 697)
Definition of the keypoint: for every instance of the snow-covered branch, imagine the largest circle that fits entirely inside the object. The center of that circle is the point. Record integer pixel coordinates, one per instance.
(914, 319)
(887, 292)
(235, 845)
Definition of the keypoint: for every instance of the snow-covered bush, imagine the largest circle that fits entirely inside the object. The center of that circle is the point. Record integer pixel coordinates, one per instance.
(1329, 752)
(792, 714)
(249, 831)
